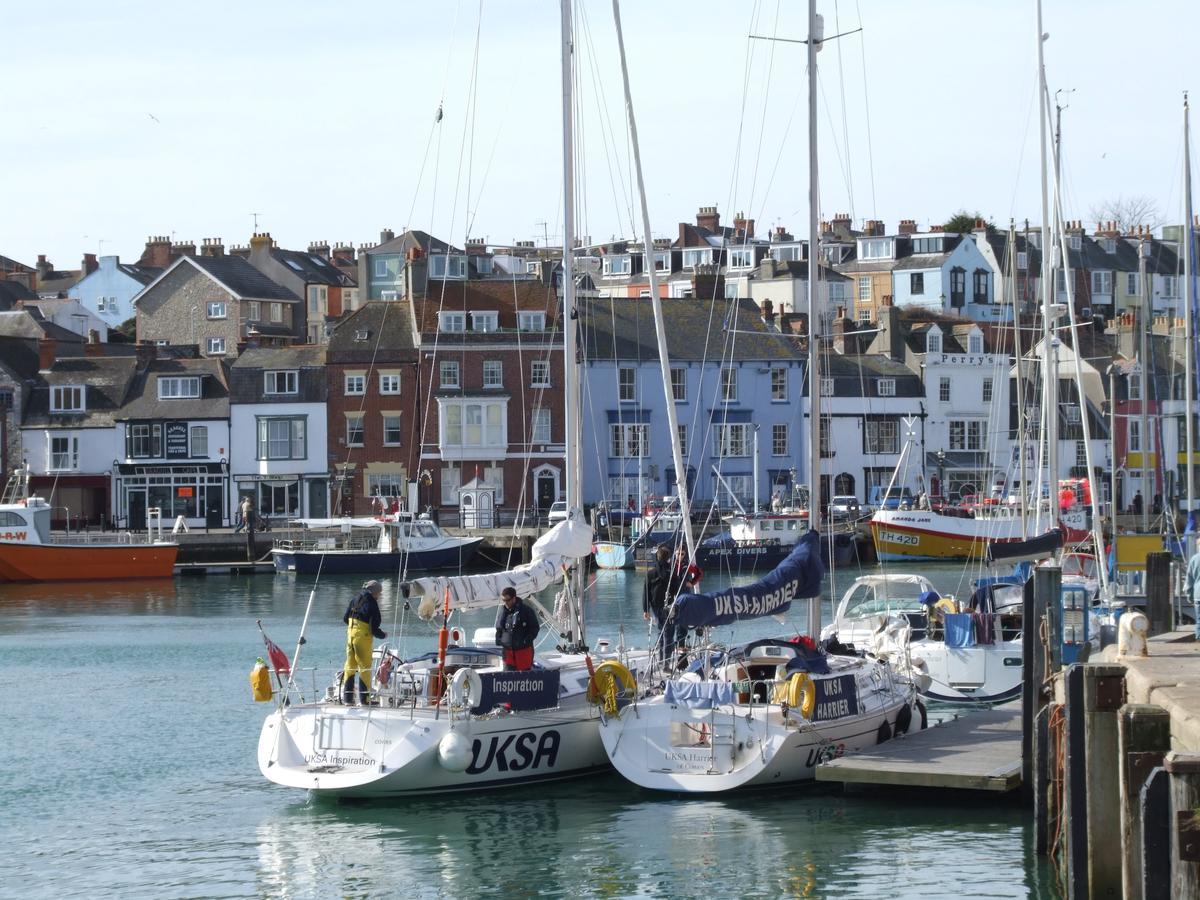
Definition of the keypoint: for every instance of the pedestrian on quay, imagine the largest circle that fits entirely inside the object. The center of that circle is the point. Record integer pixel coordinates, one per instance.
(1193, 587)
(654, 599)
(362, 620)
(245, 511)
(516, 630)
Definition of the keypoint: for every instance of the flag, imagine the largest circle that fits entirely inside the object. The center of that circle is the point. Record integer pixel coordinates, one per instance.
(279, 660)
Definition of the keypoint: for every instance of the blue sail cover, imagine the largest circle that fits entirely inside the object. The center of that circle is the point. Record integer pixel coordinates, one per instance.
(797, 576)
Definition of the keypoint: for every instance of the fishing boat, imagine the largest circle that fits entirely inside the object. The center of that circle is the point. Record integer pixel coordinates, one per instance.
(760, 541)
(399, 541)
(30, 552)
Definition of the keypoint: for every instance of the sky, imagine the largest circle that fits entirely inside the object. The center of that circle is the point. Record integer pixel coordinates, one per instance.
(320, 122)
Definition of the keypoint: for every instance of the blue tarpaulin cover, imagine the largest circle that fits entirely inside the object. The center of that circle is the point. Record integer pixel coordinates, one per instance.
(698, 694)
(799, 575)
(958, 630)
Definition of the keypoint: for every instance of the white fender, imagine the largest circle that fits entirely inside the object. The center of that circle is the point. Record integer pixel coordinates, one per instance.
(1131, 635)
(466, 688)
(454, 750)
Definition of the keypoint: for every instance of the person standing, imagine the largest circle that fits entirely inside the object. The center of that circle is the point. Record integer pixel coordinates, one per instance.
(362, 620)
(1193, 587)
(1137, 503)
(654, 598)
(516, 630)
(684, 578)
(245, 511)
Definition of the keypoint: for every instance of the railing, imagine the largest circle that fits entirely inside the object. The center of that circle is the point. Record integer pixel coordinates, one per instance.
(82, 538)
(317, 545)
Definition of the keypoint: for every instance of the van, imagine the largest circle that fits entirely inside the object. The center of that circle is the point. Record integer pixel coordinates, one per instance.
(881, 497)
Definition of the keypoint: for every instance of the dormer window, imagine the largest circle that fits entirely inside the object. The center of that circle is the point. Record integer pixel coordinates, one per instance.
(67, 398)
(975, 344)
(485, 321)
(662, 261)
(790, 253)
(531, 321)
(178, 388)
(448, 266)
(1109, 245)
(928, 245)
(452, 321)
(282, 382)
(877, 248)
(697, 256)
(362, 335)
(483, 265)
(887, 387)
(1022, 260)
(741, 257)
(1075, 242)
(933, 342)
(617, 265)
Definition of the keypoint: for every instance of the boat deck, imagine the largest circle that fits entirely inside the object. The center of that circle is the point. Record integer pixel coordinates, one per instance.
(979, 751)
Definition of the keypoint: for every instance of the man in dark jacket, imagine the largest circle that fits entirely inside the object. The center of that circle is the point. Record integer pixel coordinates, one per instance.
(683, 578)
(654, 598)
(362, 620)
(516, 629)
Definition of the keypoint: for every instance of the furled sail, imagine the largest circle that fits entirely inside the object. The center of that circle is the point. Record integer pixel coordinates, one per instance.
(798, 576)
(1040, 547)
(562, 545)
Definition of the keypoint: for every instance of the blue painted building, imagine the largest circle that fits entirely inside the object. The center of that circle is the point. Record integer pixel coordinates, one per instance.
(943, 273)
(108, 291)
(735, 383)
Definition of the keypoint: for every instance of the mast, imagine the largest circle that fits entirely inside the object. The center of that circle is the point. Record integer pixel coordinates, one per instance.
(1189, 322)
(1049, 373)
(660, 331)
(1145, 323)
(1012, 287)
(815, 28)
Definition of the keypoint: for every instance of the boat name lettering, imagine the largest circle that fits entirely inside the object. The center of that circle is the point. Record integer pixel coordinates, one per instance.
(508, 686)
(695, 757)
(824, 754)
(13, 536)
(336, 759)
(834, 709)
(896, 537)
(739, 604)
(513, 752)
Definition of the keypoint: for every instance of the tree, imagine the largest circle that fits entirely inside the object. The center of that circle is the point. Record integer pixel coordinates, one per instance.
(963, 222)
(125, 333)
(1128, 213)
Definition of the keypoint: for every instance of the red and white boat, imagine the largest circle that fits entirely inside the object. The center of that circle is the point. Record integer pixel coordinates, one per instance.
(29, 552)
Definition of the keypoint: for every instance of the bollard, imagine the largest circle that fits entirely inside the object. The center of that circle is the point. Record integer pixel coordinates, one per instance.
(1075, 800)
(1047, 587)
(1103, 696)
(1184, 769)
(1158, 592)
(1144, 739)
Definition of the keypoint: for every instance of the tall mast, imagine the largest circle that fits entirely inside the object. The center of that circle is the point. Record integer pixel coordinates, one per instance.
(814, 282)
(660, 331)
(1189, 321)
(1145, 323)
(1012, 287)
(1049, 364)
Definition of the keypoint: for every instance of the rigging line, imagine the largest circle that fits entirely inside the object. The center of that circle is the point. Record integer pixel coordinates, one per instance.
(1012, 206)
(837, 26)
(843, 161)
(747, 68)
(867, 107)
(762, 127)
(783, 145)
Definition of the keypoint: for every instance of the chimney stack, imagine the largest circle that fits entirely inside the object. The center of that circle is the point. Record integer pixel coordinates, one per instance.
(768, 312)
(744, 227)
(212, 247)
(386, 235)
(476, 247)
(344, 253)
(157, 253)
(184, 248)
(89, 264)
(873, 228)
(907, 226)
(709, 218)
(319, 248)
(47, 349)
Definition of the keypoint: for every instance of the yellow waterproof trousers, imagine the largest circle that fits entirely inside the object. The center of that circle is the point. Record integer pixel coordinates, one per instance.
(358, 652)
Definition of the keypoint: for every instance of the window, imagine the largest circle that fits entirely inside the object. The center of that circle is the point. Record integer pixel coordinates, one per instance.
(730, 293)
(927, 245)
(741, 258)
(944, 389)
(1131, 283)
(354, 429)
(216, 346)
(452, 321)
(493, 373)
(1134, 440)
(779, 384)
(662, 262)
(276, 312)
(694, 257)
(975, 344)
(381, 268)
(199, 440)
(864, 290)
(876, 249)
(1081, 453)
(679, 384)
(387, 484)
(178, 388)
(389, 382)
(391, 429)
(979, 286)
(540, 432)
(539, 373)
(67, 398)
(683, 445)
(281, 438)
(626, 384)
(617, 265)
(1135, 386)
(886, 387)
(987, 390)
(729, 385)
(881, 436)
(1022, 260)
(314, 298)
(933, 342)
(733, 440)
(916, 283)
(1060, 281)
(1102, 282)
(143, 441)
(448, 373)
(629, 441)
(1072, 414)
(253, 311)
(837, 291)
(958, 286)
(451, 482)
(864, 315)
(281, 382)
(356, 383)
(474, 425)
(779, 440)
(968, 434)
(1075, 242)
(1168, 286)
(485, 321)
(216, 309)
(823, 439)
(826, 387)
(531, 321)
(447, 266)
(64, 453)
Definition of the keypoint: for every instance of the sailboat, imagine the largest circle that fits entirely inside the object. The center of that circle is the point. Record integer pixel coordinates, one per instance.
(767, 711)
(453, 719)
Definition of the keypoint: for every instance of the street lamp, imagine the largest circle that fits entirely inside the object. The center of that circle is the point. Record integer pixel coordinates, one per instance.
(941, 467)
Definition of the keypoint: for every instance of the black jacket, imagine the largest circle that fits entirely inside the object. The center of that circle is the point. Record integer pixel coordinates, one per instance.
(654, 594)
(365, 609)
(516, 628)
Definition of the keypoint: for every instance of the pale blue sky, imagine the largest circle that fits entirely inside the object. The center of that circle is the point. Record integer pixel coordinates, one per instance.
(141, 118)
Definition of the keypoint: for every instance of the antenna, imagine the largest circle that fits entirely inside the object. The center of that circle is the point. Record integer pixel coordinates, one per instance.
(545, 232)
(256, 215)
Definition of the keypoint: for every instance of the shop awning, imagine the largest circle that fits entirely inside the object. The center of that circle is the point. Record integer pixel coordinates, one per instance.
(172, 469)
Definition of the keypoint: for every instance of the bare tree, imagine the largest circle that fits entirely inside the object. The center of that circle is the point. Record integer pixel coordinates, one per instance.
(1128, 212)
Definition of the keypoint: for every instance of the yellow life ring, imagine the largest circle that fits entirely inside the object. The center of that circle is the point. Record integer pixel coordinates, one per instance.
(466, 688)
(798, 692)
(604, 685)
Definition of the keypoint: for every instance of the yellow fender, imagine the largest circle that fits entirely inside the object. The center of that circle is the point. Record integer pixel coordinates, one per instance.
(609, 679)
(946, 605)
(798, 692)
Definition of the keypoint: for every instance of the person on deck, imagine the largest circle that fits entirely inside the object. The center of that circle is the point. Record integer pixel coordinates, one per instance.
(362, 620)
(516, 630)
(1193, 588)
(1137, 503)
(684, 579)
(654, 598)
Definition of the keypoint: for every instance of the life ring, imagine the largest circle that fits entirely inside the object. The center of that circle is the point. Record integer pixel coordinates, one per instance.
(946, 605)
(798, 692)
(466, 688)
(605, 685)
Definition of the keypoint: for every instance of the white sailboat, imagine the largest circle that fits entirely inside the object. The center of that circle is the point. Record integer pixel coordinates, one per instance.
(769, 711)
(454, 720)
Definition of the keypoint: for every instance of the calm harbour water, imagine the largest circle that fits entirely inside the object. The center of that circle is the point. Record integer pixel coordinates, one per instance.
(129, 762)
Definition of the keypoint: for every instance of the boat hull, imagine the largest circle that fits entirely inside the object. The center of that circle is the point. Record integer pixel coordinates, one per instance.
(910, 534)
(727, 554)
(86, 562)
(611, 555)
(310, 562)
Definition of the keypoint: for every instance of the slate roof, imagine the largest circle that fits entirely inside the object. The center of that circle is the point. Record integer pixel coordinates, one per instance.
(413, 238)
(245, 281)
(388, 328)
(13, 291)
(28, 322)
(7, 264)
(19, 356)
(144, 274)
(998, 241)
(504, 296)
(58, 282)
(617, 328)
(304, 356)
(312, 268)
(107, 379)
(213, 402)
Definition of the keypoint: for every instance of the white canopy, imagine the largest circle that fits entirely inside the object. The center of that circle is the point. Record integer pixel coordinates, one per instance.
(351, 521)
(564, 543)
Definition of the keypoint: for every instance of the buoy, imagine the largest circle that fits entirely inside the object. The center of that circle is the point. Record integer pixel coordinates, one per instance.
(454, 752)
(260, 681)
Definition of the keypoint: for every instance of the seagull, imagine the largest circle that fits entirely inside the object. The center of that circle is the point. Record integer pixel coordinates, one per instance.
(438, 117)
(154, 117)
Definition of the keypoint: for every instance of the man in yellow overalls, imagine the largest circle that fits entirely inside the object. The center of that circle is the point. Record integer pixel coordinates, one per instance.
(362, 620)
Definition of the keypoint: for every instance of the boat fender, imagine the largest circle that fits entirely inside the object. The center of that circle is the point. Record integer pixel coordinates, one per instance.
(260, 681)
(946, 605)
(903, 719)
(924, 715)
(466, 688)
(454, 751)
(800, 692)
(884, 733)
(607, 683)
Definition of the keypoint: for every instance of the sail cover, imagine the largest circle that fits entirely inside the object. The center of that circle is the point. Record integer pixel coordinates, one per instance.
(563, 544)
(798, 576)
(1040, 547)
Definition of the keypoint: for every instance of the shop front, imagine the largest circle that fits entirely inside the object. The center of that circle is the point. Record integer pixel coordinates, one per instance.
(282, 497)
(197, 491)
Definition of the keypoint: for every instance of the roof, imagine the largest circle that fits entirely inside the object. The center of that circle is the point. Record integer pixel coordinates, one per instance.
(503, 296)
(13, 291)
(28, 322)
(312, 268)
(386, 326)
(213, 402)
(413, 238)
(144, 274)
(107, 379)
(240, 278)
(304, 356)
(19, 356)
(619, 328)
